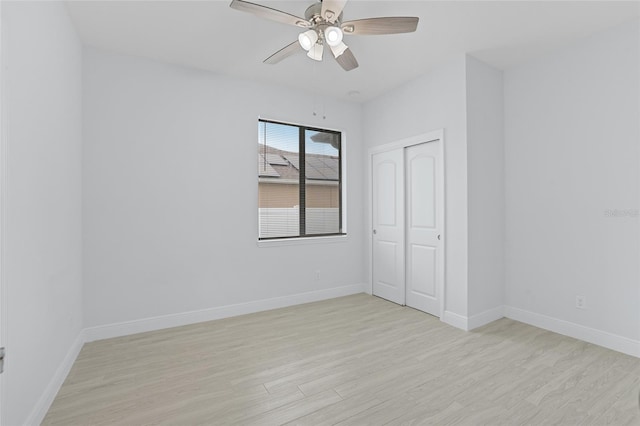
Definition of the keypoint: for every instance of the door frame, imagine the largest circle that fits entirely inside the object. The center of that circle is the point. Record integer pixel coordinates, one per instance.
(4, 139)
(402, 144)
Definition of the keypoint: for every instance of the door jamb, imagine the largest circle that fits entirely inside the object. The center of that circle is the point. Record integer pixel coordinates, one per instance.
(4, 138)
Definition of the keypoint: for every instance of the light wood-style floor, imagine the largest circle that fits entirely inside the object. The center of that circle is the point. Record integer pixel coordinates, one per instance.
(355, 360)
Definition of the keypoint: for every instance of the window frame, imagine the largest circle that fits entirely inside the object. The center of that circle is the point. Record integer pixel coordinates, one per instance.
(302, 179)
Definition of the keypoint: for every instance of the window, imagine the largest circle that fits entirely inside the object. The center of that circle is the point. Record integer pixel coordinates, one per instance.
(299, 181)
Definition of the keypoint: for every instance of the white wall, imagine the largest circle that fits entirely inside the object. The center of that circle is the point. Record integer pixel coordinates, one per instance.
(431, 102)
(42, 233)
(485, 177)
(170, 192)
(572, 149)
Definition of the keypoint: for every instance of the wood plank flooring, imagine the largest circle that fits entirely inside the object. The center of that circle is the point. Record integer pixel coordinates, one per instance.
(355, 360)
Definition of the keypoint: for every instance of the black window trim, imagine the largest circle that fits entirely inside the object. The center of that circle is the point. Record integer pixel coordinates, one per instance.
(302, 181)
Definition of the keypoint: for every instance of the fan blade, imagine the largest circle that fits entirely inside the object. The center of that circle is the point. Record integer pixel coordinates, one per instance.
(269, 13)
(285, 52)
(347, 61)
(379, 26)
(331, 9)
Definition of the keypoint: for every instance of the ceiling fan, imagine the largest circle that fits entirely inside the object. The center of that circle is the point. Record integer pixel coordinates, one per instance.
(323, 25)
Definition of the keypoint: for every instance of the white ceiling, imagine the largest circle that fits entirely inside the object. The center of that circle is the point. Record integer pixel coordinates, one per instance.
(212, 36)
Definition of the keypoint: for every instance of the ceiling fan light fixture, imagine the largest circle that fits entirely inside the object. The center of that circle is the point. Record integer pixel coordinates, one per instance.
(323, 25)
(308, 39)
(316, 51)
(333, 36)
(338, 49)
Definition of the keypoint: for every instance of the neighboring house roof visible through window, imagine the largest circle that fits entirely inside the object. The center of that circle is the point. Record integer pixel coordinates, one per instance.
(275, 163)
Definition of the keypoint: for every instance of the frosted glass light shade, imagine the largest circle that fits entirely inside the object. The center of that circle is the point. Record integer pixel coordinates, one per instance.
(307, 39)
(316, 51)
(333, 36)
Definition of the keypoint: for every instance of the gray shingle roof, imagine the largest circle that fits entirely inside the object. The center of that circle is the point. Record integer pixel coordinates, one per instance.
(275, 163)
(265, 169)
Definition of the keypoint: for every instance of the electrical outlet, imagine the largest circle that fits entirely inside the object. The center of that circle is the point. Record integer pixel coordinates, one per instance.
(317, 275)
(581, 302)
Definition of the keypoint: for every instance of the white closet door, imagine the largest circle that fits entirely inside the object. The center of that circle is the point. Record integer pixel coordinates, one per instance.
(423, 190)
(388, 225)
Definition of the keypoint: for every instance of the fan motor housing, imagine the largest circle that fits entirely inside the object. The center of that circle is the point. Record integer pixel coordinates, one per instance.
(313, 14)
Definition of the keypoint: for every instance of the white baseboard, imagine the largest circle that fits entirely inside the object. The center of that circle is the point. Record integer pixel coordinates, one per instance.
(485, 317)
(46, 399)
(474, 321)
(192, 317)
(577, 331)
(149, 324)
(591, 335)
(455, 320)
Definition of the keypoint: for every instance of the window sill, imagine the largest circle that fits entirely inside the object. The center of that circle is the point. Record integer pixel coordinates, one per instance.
(303, 241)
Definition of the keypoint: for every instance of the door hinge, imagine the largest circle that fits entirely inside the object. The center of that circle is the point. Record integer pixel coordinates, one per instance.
(2, 353)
